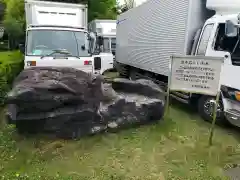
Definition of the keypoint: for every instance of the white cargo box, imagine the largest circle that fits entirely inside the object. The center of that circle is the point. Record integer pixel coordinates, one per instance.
(53, 13)
(103, 27)
(149, 34)
(224, 6)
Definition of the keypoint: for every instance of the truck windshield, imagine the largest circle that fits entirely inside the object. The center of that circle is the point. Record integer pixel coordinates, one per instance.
(44, 42)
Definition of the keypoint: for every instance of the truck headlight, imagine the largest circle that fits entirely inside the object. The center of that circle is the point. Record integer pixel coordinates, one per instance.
(230, 93)
(31, 63)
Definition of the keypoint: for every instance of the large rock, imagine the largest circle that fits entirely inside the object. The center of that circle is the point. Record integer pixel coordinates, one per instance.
(136, 103)
(141, 86)
(70, 103)
(41, 89)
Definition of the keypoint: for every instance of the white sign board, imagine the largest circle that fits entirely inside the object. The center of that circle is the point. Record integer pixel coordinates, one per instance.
(195, 74)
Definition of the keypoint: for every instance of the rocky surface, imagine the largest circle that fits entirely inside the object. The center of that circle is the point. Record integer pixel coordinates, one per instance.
(70, 103)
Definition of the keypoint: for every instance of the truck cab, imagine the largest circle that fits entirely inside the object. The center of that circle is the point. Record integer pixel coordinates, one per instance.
(219, 37)
(58, 46)
(56, 35)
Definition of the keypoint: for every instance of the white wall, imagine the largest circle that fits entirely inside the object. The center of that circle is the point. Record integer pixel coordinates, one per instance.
(137, 2)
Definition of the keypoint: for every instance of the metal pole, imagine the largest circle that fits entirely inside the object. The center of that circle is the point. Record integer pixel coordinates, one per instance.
(214, 119)
(167, 103)
(168, 89)
(215, 109)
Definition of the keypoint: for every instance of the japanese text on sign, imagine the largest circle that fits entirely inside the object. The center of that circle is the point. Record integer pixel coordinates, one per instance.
(196, 74)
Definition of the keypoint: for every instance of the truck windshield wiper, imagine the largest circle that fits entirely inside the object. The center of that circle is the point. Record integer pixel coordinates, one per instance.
(59, 51)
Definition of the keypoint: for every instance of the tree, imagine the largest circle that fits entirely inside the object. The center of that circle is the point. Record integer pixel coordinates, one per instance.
(14, 20)
(118, 8)
(2, 8)
(129, 4)
(102, 9)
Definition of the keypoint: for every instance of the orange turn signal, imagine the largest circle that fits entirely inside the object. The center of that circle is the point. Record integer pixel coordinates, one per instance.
(31, 63)
(237, 95)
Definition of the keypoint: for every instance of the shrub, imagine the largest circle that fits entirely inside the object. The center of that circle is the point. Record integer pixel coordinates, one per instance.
(11, 64)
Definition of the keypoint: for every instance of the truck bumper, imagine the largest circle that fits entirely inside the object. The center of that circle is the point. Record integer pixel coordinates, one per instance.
(232, 111)
(232, 115)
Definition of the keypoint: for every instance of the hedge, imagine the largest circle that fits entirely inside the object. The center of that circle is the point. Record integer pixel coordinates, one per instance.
(11, 64)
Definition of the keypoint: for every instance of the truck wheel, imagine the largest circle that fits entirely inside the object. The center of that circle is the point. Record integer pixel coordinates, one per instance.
(206, 108)
(133, 75)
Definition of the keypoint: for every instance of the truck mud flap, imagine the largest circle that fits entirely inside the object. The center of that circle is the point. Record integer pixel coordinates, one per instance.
(97, 63)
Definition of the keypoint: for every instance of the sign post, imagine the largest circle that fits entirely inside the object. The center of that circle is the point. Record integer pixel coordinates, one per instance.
(168, 90)
(214, 119)
(197, 75)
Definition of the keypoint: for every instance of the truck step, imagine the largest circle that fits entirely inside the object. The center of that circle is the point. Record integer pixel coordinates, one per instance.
(181, 95)
(180, 99)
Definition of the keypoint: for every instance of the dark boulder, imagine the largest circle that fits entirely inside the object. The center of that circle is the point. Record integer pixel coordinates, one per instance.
(42, 89)
(138, 102)
(70, 103)
(141, 86)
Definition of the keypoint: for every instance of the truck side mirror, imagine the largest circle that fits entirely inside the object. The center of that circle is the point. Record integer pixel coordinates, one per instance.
(230, 29)
(92, 42)
(22, 48)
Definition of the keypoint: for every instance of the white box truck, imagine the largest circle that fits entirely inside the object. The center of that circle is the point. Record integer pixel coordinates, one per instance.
(149, 34)
(56, 35)
(105, 29)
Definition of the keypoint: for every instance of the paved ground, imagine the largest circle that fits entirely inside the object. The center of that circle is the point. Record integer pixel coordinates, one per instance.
(233, 173)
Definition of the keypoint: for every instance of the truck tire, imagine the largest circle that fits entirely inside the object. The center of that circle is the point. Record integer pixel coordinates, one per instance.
(206, 107)
(133, 75)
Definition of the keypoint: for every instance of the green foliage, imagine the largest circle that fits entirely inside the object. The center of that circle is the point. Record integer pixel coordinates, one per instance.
(102, 9)
(14, 18)
(128, 4)
(11, 63)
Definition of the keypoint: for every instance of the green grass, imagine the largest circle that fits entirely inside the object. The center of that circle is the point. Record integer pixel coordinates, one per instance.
(5, 54)
(176, 148)
(10, 56)
(11, 64)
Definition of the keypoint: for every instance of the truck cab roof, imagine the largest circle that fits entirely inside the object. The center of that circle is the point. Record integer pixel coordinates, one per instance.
(221, 18)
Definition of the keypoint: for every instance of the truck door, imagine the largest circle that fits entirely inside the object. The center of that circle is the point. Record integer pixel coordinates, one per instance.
(229, 48)
(106, 55)
(204, 40)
